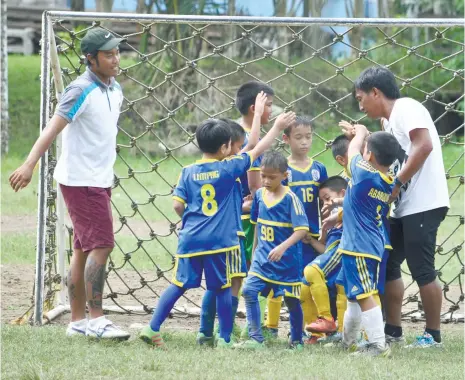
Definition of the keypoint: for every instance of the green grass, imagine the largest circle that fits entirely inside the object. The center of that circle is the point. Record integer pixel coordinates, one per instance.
(43, 353)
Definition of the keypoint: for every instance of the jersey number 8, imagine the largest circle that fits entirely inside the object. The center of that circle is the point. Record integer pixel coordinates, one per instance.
(209, 205)
(267, 233)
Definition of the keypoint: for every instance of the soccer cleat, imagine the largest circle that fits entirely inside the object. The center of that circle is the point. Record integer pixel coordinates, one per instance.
(373, 349)
(425, 341)
(250, 344)
(312, 339)
(395, 340)
(322, 325)
(223, 345)
(269, 333)
(103, 328)
(203, 340)
(152, 337)
(331, 338)
(297, 346)
(77, 328)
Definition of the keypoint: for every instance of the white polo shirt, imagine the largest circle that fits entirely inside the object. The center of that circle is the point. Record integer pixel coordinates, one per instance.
(427, 189)
(92, 109)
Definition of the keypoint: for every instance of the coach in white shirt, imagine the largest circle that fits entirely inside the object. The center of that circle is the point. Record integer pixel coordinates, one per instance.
(420, 199)
(87, 114)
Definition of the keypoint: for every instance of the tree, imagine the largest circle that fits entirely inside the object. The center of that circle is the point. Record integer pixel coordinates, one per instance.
(4, 78)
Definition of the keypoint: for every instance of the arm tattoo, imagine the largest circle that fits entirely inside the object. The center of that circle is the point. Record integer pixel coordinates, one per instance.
(95, 281)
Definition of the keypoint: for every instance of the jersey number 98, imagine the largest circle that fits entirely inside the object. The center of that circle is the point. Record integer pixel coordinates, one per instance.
(267, 233)
(209, 205)
(307, 194)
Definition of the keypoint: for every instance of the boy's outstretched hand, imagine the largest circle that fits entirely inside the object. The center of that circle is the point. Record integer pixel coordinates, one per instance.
(285, 120)
(260, 102)
(21, 177)
(351, 130)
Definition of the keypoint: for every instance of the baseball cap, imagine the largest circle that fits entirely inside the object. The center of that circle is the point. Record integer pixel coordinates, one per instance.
(98, 39)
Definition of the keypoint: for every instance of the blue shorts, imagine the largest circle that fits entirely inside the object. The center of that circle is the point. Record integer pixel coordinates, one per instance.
(265, 287)
(329, 264)
(340, 276)
(188, 271)
(237, 261)
(360, 276)
(382, 272)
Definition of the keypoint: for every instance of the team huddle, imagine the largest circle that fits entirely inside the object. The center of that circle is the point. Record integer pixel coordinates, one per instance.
(266, 242)
(262, 225)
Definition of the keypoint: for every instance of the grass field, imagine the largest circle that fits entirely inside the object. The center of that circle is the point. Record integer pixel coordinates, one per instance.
(29, 353)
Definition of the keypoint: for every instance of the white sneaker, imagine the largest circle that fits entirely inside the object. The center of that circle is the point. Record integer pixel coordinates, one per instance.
(103, 328)
(77, 328)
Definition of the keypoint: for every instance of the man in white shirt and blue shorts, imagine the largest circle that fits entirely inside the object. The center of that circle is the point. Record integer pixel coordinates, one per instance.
(420, 200)
(87, 114)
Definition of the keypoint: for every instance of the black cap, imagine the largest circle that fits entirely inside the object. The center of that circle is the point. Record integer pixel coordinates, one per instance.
(98, 39)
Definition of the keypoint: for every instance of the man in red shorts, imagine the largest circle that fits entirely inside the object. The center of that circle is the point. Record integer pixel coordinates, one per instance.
(87, 114)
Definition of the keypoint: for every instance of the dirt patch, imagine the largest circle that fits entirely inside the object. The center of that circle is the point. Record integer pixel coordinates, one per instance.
(127, 289)
(18, 223)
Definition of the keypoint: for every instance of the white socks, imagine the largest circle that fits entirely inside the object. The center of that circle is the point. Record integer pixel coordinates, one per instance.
(352, 322)
(372, 322)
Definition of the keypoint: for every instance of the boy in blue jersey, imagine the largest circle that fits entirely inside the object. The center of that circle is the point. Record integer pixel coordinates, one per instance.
(365, 205)
(281, 223)
(237, 258)
(322, 272)
(204, 197)
(245, 103)
(304, 176)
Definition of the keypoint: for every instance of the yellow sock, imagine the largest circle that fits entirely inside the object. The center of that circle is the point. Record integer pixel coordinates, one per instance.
(274, 311)
(319, 291)
(377, 300)
(308, 307)
(341, 305)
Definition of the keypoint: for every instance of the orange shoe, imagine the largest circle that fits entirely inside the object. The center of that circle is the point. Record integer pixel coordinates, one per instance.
(311, 340)
(322, 325)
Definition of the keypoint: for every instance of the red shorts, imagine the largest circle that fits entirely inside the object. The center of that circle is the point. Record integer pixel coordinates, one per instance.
(90, 211)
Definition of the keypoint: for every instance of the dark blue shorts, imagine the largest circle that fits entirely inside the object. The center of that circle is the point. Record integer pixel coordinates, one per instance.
(188, 271)
(360, 276)
(329, 264)
(260, 285)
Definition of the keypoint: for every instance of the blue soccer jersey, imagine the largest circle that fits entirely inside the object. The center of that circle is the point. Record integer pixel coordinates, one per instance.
(276, 222)
(365, 207)
(238, 206)
(207, 188)
(305, 183)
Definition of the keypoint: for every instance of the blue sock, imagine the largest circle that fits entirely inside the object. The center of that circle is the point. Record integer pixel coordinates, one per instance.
(165, 304)
(208, 312)
(296, 318)
(252, 308)
(235, 305)
(223, 301)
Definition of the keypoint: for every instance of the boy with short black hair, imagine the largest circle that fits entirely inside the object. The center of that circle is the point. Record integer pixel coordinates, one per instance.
(304, 178)
(322, 272)
(204, 197)
(365, 204)
(281, 223)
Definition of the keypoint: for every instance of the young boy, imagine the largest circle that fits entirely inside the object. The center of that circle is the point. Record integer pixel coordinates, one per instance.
(365, 204)
(322, 272)
(237, 258)
(204, 197)
(304, 178)
(281, 223)
(250, 181)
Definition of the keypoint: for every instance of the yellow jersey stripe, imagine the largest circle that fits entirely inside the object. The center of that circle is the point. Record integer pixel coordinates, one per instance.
(176, 198)
(301, 228)
(275, 282)
(361, 254)
(201, 253)
(245, 216)
(302, 183)
(273, 223)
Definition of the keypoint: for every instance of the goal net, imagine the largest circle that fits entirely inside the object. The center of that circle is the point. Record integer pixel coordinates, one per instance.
(179, 70)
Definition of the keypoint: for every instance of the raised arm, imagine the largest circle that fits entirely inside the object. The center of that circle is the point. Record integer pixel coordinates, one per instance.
(21, 177)
(254, 136)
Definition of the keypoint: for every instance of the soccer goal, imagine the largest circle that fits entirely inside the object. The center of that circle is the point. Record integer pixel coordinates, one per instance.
(179, 70)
